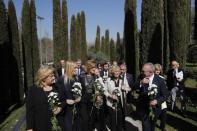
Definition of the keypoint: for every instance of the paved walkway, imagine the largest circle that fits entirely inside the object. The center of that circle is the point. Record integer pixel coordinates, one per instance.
(19, 123)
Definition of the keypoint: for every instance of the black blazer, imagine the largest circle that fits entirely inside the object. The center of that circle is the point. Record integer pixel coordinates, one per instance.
(160, 97)
(102, 73)
(131, 84)
(59, 72)
(38, 112)
(172, 80)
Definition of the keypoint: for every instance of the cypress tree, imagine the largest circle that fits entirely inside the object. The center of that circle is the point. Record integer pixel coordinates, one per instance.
(73, 39)
(103, 44)
(4, 38)
(107, 44)
(119, 48)
(152, 30)
(195, 22)
(78, 25)
(131, 38)
(65, 29)
(178, 29)
(112, 50)
(34, 38)
(57, 32)
(166, 49)
(26, 41)
(4, 57)
(18, 87)
(83, 37)
(97, 41)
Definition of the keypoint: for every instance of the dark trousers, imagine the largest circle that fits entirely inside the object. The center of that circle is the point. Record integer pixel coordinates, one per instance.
(116, 119)
(72, 121)
(147, 124)
(85, 113)
(163, 117)
(97, 119)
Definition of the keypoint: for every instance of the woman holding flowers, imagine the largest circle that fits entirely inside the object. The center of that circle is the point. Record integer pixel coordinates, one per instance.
(72, 91)
(99, 103)
(43, 102)
(87, 96)
(115, 89)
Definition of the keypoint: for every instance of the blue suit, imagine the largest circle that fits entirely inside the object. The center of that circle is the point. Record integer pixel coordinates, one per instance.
(143, 105)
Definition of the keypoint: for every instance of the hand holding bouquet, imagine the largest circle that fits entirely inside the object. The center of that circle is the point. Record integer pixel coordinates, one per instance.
(152, 92)
(54, 104)
(98, 94)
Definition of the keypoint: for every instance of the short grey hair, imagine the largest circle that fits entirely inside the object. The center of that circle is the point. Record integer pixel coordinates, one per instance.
(151, 66)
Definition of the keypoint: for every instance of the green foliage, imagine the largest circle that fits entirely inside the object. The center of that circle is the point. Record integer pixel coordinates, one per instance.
(73, 42)
(166, 49)
(107, 44)
(192, 54)
(83, 37)
(103, 44)
(191, 83)
(9, 123)
(99, 57)
(26, 41)
(97, 41)
(112, 50)
(131, 38)
(65, 29)
(34, 38)
(78, 25)
(178, 12)
(57, 32)
(195, 28)
(152, 31)
(119, 48)
(16, 47)
(4, 39)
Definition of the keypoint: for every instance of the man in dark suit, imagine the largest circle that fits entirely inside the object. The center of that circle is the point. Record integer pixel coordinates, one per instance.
(175, 83)
(127, 78)
(105, 71)
(61, 69)
(80, 69)
(146, 100)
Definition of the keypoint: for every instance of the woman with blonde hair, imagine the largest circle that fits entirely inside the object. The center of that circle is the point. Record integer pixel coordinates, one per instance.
(163, 115)
(116, 88)
(38, 107)
(66, 83)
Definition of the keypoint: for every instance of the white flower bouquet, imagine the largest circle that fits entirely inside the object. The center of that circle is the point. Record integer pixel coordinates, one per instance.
(105, 78)
(77, 93)
(77, 90)
(98, 92)
(54, 102)
(117, 93)
(152, 92)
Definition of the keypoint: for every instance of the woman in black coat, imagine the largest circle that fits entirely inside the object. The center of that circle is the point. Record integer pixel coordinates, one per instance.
(65, 83)
(38, 110)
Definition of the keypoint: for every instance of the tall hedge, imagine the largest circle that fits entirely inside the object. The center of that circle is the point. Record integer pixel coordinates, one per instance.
(18, 87)
(83, 37)
(27, 45)
(97, 40)
(65, 29)
(131, 38)
(178, 12)
(152, 25)
(34, 38)
(57, 32)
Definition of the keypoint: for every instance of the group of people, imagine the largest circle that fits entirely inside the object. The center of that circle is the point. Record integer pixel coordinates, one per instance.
(74, 97)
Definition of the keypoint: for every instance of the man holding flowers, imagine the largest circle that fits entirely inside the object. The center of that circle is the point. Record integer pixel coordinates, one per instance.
(153, 93)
